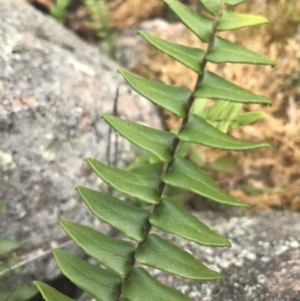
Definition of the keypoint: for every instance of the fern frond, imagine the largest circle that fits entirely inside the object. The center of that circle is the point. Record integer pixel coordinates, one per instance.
(152, 177)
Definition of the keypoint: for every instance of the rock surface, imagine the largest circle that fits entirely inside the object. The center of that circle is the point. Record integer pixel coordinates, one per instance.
(53, 88)
(263, 263)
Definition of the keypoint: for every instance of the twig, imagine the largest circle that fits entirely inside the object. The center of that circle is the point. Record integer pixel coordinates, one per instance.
(116, 145)
(108, 150)
(115, 113)
(34, 257)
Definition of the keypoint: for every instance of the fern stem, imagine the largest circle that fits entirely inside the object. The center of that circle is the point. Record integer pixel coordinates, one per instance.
(192, 99)
(176, 141)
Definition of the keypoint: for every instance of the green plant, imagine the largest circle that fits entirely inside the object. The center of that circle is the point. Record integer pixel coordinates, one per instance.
(222, 115)
(101, 25)
(16, 292)
(58, 10)
(100, 18)
(120, 278)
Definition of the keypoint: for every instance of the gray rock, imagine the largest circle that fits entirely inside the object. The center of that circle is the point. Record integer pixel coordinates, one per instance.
(263, 263)
(53, 88)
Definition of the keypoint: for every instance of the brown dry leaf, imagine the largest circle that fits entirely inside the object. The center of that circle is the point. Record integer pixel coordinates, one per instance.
(127, 12)
(123, 13)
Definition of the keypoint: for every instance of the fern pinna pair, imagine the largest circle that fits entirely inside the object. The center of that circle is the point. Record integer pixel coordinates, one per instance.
(121, 275)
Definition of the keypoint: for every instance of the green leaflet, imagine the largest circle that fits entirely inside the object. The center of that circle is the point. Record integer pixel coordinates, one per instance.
(221, 114)
(171, 98)
(129, 220)
(183, 149)
(214, 86)
(141, 286)
(199, 106)
(162, 255)
(173, 219)
(186, 175)
(99, 283)
(114, 254)
(219, 111)
(190, 57)
(137, 186)
(246, 118)
(8, 245)
(145, 158)
(231, 20)
(143, 166)
(147, 169)
(200, 25)
(235, 2)
(226, 52)
(226, 163)
(222, 110)
(196, 156)
(210, 136)
(51, 294)
(212, 6)
(222, 126)
(155, 141)
(178, 195)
